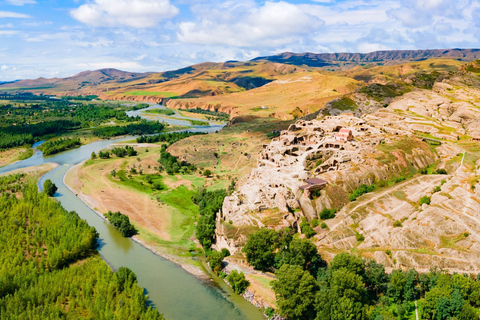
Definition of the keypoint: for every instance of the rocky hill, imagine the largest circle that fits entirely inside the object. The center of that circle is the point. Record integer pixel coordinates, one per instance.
(419, 154)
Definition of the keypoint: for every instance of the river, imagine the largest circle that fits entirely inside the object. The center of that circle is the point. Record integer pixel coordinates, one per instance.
(173, 291)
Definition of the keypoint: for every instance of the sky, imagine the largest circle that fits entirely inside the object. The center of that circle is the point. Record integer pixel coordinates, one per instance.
(51, 38)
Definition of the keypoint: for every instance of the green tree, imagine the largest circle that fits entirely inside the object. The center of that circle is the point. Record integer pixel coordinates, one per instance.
(375, 276)
(345, 283)
(237, 281)
(410, 290)
(215, 261)
(93, 155)
(260, 248)
(295, 290)
(125, 278)
(443, 308)
(346, 309)
(303, 253)
(49, 187)
(467, 313)
(396, 285)
(349, 261)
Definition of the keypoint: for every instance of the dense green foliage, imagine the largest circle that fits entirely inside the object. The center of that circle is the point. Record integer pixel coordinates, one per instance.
(38, 240)
(59, 145)
(327, 214)
(237, 281)
(361, 191)
(12, 183)
(211, 115)
(122, 152)
(141, 127)
(30, 118)
(172, 165)
(122, 223)
(352, 288)
(267, 249)
(306, 229)
(209, 203)
(170, 137)
(49, 187)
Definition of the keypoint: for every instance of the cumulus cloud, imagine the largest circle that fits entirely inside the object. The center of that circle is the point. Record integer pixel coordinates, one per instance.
(273, 24)
(9, 14)
(21, 2)
(132, 13)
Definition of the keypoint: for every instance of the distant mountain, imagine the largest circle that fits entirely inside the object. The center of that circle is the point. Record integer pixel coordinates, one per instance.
(78, 81)
(347, 60)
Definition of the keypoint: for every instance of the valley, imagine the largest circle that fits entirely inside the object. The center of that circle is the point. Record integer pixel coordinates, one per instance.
(376, 162)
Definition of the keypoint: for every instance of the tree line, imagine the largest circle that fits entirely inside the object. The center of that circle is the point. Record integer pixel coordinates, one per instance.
(170, 137)
(59, 145)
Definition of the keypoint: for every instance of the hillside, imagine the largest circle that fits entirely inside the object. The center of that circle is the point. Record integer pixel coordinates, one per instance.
(404, 191)
(285, 86)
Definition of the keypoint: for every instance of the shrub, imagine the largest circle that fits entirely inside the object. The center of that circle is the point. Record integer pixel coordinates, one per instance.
(360, 191)
(225, 252)
(327, 214)
(324, 225)
(270, 312)
(237, 281)
(436, 189)
(359, 236)
(424, 199)
(207, 173)
(397, 224)
(307, 230)
(315, 223)
(441, 171)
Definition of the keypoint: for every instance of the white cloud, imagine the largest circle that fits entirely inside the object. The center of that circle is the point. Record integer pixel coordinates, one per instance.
(9, 14)
(21, 2)
(273, 24)
(132, 13)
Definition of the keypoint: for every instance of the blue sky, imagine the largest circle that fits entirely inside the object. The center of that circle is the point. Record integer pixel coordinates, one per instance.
(50, 38)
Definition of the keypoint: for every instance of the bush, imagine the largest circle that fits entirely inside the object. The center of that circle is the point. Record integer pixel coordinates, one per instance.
(359, 236)
(307, 230)
(315, 223)
(324, 225)
(441, 171)
(360, 191)
(326, 214)
(207, 173)
(397, 224)
(49, 187)
(237, 281)
(225, 252)
(270, 312)
(424, 199)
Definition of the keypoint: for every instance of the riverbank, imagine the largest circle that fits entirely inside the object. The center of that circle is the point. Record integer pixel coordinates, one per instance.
(37, 171)
(75, 187)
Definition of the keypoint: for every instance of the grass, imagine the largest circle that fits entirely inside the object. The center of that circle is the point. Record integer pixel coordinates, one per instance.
(171, 95)
(450, 241)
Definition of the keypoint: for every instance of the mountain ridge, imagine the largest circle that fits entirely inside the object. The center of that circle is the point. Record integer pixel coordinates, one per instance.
(347, 59)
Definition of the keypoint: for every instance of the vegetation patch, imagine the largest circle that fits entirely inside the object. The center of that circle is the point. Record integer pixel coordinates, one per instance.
(167, 112)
